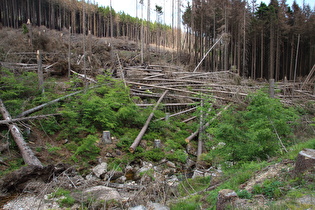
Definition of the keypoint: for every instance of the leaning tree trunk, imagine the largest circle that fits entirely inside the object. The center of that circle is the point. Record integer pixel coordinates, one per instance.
(27, 154)
(146, 125)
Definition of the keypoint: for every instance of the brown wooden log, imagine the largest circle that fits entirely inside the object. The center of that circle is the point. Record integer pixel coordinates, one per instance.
(305, 161)
(144, 128)
(27, 154)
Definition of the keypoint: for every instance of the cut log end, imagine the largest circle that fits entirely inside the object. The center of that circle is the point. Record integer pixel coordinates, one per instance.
(132, 150)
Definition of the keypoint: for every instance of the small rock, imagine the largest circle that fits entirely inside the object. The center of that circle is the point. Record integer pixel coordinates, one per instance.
(100, 169)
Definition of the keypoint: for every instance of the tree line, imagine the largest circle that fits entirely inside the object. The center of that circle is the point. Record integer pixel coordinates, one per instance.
(261, 41)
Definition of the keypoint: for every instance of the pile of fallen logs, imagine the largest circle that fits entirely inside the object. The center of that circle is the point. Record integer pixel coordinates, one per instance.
(179, 91)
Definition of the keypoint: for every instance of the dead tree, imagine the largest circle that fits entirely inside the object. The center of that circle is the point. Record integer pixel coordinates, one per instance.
(144, 128)
(27, 154)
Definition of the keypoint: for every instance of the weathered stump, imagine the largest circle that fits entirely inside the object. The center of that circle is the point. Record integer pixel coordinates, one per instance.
(305, 161)
(226, 198)
(106, 139)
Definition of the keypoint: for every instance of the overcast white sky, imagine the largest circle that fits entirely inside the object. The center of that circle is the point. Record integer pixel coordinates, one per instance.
(129, 7)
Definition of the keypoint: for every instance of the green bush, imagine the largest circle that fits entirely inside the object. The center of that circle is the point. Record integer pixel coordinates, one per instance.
(152, 155)
(177, 155)
(244, 194)
(87, 150)
(271, 188)
(253, 133)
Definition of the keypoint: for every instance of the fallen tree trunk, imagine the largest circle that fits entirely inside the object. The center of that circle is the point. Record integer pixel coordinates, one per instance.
(162, 87)
(144, 128)
(37, 108)
(193, 135)
(27, 118)
(83, 76)
(179, 113)
(189, 119)
(27, 154)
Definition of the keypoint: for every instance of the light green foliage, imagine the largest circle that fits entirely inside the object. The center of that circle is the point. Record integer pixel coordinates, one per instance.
(271, 188)
(25, 29)
(152, 155)
(50, 125)
(251, 133)
(52, 149)
(107, 107)
(87, 149)
(15, 89)
(177, 155)
(244, 194)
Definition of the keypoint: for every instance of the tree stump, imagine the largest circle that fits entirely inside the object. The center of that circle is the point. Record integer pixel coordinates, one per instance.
(305, 161)
(106, 139)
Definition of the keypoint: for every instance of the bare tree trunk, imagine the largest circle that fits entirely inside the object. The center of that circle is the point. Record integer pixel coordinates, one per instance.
(111, 21)
(40, 72)
(142, 36)
(144, 128)
(262, 55)
(27, 154)
(199, 150)
(179, 33)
